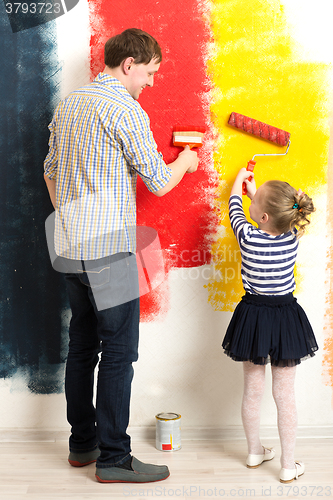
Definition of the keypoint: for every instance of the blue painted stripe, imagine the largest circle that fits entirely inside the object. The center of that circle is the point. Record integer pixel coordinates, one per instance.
(32, 295)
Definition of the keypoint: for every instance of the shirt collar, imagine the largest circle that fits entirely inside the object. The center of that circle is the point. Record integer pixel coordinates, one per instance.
(106, 79)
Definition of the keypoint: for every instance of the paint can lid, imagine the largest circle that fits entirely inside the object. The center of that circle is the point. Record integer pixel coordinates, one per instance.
(168, 416)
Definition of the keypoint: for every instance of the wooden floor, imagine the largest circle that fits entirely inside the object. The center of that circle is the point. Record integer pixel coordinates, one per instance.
(201, 469)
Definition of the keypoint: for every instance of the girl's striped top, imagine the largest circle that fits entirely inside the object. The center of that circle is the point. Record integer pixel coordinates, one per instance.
(100, 142)
(267, 261)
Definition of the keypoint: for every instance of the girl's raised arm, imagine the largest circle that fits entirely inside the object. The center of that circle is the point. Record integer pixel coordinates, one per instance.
(247, 177)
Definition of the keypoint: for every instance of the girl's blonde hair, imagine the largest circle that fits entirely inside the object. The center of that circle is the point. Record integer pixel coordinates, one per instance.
(286, 207)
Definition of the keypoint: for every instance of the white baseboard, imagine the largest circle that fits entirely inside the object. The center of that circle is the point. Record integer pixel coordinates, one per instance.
(148, 434)
(231, 433)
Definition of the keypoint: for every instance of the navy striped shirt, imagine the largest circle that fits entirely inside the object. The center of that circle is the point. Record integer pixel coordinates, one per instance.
(267, 261)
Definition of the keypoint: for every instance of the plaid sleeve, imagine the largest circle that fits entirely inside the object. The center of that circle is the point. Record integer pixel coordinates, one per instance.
(51, 160)
(140, 150)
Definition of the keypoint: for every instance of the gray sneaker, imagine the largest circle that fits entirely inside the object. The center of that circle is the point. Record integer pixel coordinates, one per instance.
(82, 459)
(141, 473)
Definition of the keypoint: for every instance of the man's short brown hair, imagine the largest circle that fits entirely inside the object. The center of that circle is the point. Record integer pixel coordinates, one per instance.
(131, 43)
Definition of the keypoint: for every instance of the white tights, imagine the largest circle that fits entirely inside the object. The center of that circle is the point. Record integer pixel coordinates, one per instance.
(284, 396)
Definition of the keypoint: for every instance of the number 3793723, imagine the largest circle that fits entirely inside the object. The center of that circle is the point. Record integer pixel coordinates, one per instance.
(304, 491)
(33, 8)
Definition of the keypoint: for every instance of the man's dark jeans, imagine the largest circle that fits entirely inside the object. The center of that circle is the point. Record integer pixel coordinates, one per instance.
(114, 332)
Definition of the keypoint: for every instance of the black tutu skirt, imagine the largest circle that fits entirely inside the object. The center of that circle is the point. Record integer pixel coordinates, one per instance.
(271, 328)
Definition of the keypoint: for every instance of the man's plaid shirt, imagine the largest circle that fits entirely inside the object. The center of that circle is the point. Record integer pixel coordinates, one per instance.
(100, 141)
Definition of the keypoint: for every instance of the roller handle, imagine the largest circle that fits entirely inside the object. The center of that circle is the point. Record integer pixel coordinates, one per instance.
(250, 167)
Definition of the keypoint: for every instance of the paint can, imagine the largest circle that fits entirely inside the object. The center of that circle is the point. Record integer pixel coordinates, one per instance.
(168, 436)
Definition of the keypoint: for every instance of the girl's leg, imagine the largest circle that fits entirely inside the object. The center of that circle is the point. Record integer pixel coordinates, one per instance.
(254, 386)
(284, 396)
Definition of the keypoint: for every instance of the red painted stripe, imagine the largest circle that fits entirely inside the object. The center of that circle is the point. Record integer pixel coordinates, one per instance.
(183, 218)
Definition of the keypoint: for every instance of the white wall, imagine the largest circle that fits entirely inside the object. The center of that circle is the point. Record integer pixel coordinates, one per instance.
(182, 367)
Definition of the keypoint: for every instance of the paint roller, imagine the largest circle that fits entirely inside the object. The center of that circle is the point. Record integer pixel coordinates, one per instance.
(263, 130)
(190, 135)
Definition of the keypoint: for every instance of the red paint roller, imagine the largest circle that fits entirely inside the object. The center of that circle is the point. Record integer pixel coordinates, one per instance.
(189, 135)
(260, 129)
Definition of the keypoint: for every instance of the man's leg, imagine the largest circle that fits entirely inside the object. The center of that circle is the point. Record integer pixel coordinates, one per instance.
(81, 362)
(118, 331)
(115, 332)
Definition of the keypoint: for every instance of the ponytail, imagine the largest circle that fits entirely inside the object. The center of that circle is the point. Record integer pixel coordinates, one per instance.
(287, 208)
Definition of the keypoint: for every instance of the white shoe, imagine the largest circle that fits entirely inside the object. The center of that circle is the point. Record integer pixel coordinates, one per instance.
(253, 461)
(288, 475)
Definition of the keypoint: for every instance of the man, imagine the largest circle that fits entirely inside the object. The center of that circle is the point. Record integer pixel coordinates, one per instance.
(100, 141)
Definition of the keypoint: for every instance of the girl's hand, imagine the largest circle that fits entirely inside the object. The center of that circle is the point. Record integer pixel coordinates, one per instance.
(251, 186)
(244, 176)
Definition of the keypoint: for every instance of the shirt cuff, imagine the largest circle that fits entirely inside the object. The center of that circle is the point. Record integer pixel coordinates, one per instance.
(160, 179)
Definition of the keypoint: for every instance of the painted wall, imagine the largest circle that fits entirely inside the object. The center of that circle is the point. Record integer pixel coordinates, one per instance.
(257, 58)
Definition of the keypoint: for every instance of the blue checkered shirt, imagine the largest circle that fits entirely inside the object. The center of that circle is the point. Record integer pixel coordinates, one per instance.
(100, 142)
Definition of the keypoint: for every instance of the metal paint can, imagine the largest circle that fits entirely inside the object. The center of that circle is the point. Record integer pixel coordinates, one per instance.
(168, 436)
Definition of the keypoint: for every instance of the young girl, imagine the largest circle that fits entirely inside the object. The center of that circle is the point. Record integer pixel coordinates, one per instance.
(268, 324)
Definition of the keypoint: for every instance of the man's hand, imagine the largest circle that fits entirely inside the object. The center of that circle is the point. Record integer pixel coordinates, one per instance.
(186, 162)
(51, 186)
(191, 157)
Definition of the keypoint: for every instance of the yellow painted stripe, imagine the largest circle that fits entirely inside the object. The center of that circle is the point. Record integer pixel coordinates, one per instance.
(256, 70)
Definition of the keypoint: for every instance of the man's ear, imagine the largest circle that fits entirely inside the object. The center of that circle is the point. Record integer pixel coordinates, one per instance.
(127, 64)
(264, 218)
